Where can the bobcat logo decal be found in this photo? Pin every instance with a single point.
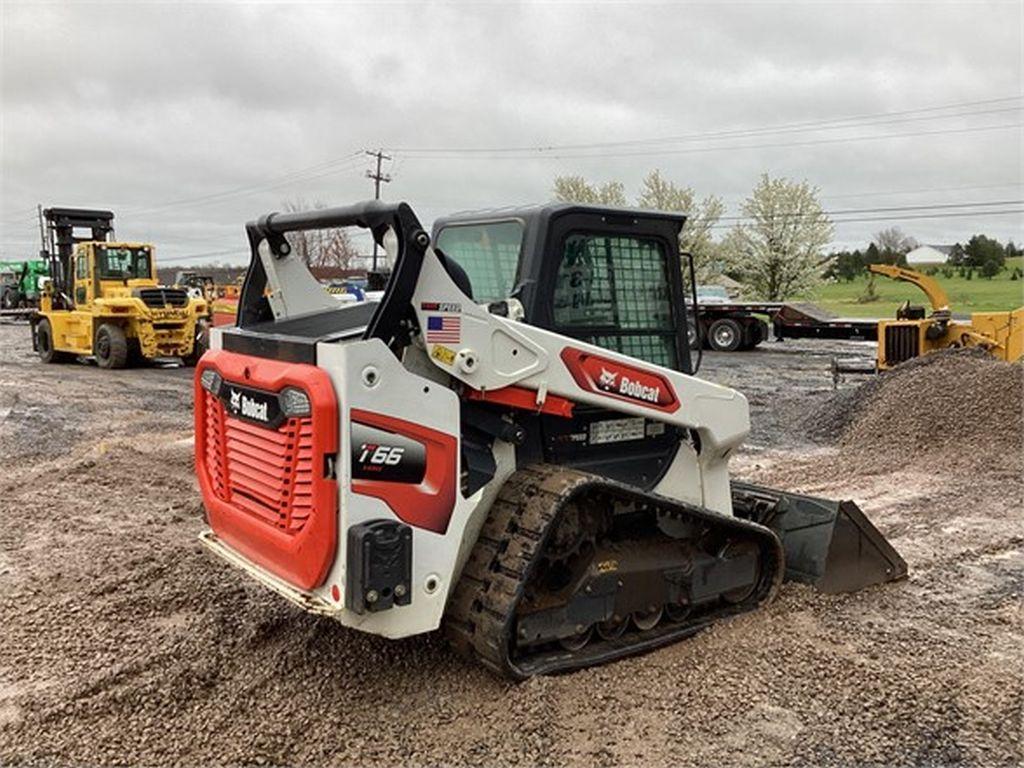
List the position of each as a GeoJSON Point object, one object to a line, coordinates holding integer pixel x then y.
{"type": "Point", "coordinates": [236, 400]}
{"type": "Point", "coordinates": [607, 378]}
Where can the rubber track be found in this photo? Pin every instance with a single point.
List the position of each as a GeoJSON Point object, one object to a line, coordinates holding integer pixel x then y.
{"type": "Point", "coordinates": [481, 613]}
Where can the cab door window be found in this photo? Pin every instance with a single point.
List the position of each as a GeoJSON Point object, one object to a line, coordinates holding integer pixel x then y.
{"type": "Point", "coordinates": [614, 291]}
{"type": "Point", "coordinates": [488, 253]}
{"type": "Point", "coordinates": [81, 276]}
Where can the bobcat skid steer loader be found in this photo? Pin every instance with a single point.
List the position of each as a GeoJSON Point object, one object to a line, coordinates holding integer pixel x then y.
{"type": "Point", "coordinates": [509, 445]}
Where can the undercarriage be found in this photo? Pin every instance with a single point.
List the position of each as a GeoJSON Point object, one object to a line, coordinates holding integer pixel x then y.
{"type": "Point", "coordinates": [572, 570]}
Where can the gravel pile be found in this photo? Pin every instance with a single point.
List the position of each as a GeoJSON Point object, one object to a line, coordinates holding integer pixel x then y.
{"type": "Point", "coordinates": [958, 410]}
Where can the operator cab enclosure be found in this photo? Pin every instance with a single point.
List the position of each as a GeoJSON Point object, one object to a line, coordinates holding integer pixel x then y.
{"type": "Point", "coordinates": [608, 276]}
{"type": "Point", "coordinates": [112, 270]}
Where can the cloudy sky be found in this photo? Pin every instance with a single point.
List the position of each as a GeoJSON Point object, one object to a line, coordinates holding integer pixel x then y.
{"type": "Point", "coordinates": [189, 119]}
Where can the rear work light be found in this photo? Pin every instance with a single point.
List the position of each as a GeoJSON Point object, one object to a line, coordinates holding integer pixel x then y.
{"type": "Point", "coordinates": [295, 403]}
{"type": "Point", "coordinates": [211, 381]}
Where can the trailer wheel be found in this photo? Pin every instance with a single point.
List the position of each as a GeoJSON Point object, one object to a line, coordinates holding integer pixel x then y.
{"type": "Point", "coordinates": [754, 332]}
{"type": "Point", "coordinates": [110, 347]}
{"type": "Point", "coordinates": [725, 335]}
{"type": "Point", "coordinates": [44, 343]}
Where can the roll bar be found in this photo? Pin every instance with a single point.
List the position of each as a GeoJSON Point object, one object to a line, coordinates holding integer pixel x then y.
{"type": "Point", "coordinates": [373, 215]}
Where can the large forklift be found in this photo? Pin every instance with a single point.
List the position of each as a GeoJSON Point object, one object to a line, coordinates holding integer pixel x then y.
{"type": "Point", "coordinates": [103, 298]}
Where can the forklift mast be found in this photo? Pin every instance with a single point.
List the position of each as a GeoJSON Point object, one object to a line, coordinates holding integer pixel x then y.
{"type": "Point", "coordinates": [60, 240]}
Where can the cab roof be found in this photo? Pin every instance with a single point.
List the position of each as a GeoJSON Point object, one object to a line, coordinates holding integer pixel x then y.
{"type": "Point", "coordinates": [542, 213]}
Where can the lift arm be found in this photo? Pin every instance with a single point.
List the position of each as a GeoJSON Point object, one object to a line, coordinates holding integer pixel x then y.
{"type": "Point", "coordinates": [935, 293]}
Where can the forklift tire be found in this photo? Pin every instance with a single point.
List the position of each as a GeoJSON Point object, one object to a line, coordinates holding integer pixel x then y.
{"type": "Point", "coordinates": [725, 335]}
{"type": "Point", "coordinates": [44, 343]}
{"type": "Point", "coordinates": [110, 346]}
{"type": "Point", "coordinates": [199, 345]}
{"type": "Point", "coordinates": [135, 357]}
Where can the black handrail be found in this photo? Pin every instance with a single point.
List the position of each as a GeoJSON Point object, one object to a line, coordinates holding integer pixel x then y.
{"type": "Point", "coordinates": [374, 215]}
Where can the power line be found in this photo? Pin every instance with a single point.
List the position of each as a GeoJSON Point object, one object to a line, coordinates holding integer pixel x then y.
{"type": "Point", "coordinates": [888, 209]}
{"type": "Point", "coordinates": [712, 136]}
{"type": "Point", "coordinates": [828, 124]}
{"type": "Point", "coordinates": [910, 216]}
{"type": "Point", "coordinates": [882, 193]}
{"type": "Point", "coordinates": [327, 168]}
{"type": "Point", "coordinates": [729, 148]}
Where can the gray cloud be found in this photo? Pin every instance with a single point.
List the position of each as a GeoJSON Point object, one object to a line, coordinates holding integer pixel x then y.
{"type": "Point", "coordinates": [133, 105]}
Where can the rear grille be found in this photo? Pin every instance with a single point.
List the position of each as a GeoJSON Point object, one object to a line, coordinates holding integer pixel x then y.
{"type": "Point", "coordinates": [162, 297]}
{"type": "Point", "coordinates": [902, 342]}
{"type": "Point", "coordinates": [267, 473]}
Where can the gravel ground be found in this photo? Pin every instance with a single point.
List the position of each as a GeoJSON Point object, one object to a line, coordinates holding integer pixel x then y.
{"type": "Point", "coordinates": [125, 644]}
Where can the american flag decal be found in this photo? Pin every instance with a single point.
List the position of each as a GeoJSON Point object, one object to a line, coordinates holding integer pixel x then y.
{"type": "Point", "coordinates": [444, 329]}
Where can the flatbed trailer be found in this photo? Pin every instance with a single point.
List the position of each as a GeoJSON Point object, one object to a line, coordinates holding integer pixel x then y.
{"type": "Point", "coordinates": [735, 326]}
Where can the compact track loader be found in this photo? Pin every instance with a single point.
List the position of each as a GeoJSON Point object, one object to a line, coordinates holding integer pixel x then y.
{"type": "Point", "coordinates": [510, 444]}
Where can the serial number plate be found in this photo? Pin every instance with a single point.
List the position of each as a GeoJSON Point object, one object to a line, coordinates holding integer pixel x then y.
{"type": "Point", "coordinates": [617, 430]}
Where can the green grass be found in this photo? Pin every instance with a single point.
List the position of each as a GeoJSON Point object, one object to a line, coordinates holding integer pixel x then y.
{"type": "Point", "coordinates": [975, 295]}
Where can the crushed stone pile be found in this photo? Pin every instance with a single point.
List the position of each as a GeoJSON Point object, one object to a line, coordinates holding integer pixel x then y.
{"type": "Point", "coordinates": [956, 409]}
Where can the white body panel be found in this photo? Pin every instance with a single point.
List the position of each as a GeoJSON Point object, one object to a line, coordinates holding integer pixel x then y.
{"type": "Point", "coordinates": [400, 394]}
{"type": "Point", "coordinates": [494, 352]}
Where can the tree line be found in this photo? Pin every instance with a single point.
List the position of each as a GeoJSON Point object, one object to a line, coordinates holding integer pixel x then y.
{"type": "Point", "coordinates": [776, 247]}
{"type": "Point", "coordinates": [982, 254]}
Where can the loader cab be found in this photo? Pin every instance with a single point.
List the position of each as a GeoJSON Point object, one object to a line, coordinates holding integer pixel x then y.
{"type": "Point", "coordinates": [607, 276]}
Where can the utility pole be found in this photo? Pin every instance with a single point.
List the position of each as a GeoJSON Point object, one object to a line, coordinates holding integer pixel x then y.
{"type": "Point", "coordinates": [42, 228]}
{"type": "Point", "coordinates": [378, 178]}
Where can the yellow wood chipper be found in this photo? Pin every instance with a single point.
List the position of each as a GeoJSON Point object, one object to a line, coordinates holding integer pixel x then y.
{"type": "Point", "coordinates": [916, 332]}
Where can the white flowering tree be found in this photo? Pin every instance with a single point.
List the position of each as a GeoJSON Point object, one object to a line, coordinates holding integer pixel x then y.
{"type": "Point", "coordinates": [778, 247]}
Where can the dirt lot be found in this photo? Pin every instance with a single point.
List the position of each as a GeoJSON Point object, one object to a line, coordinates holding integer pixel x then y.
{"type": "Point", "coordinates": [124, 643]}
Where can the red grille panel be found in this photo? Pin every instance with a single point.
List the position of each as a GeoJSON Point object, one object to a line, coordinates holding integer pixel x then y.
{"type": "Point", "coordinates": [215, 440]}
{"type": "Point", "coordinates": [267, 492]}
{"type": "Point", "coordinates": [267, 473]}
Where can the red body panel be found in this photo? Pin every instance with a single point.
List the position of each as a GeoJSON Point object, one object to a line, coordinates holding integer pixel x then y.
{"type": "Point", "coordinates": [264, 489]}
{"type": "Point", "coordinates": [428, 504]}
{"type": "Point", "coordinates": [620, 381]}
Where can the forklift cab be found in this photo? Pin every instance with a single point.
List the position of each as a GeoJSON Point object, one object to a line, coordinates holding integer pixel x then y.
{"type": "Point", "coordinates": [100, 268]}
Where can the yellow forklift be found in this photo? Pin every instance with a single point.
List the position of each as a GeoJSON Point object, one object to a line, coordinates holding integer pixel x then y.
{"type": "Point", "coordinates": [103, 298]}
{"type": "Point", "coordinates": [916, 332]}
